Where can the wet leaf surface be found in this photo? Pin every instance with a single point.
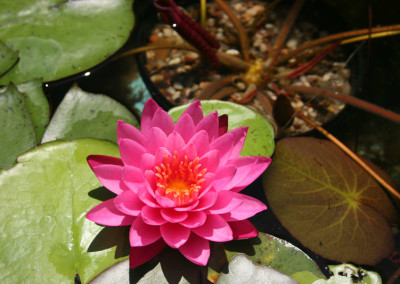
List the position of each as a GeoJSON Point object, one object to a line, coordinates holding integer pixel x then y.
{"type": "Point", "coordinates": [45, 237]}
{"type": "Point", "coordinates": [86, 115]}
{"type": "Point", "coordinates": [260, 137]}
{"type": "Point", "coordinates": [8, 57]}
{"type": "Point", "coordinates": [56, 38]}
{"type": "Point", "coordinates": [328, 202]}
{"type": "Point", "coordinates": [17, 133]}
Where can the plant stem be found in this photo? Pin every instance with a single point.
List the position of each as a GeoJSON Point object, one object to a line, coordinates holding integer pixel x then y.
{"type": "Point", "coordinates": [203, 12]}
{"type": "Point", "coordinates": [284, 32]}
{"type": "Point", "coordinates": [351, 154]}
{"type": "Point", "coordinates": [339, 36]}
{"type": "Point", "coordinates": [347, 99]}
{"type": "Point", "coordinates": [244, 44]}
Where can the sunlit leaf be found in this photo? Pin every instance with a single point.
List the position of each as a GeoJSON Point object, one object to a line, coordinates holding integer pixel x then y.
{"type": "Point", "coordinates": [118, 273]}
{"type": "Point", "coordinates": [8, 57]}
{"type": "Point", "coordinates": [58, 38]}
{"type": "Point", "coordinates": [16, 129]}
{"type": "Point", "coordinates": [260, 137]}
{"type": "Point", "coordinates": [82, 115]}
{"type": "Point", "coordinates": [37, 104]}
{"type": "Point", "coordinates": [242, 270]}
{"type": "Point", "coordinates": [328, 202]}
{"type": "Point", "coordinates": [45, 237]}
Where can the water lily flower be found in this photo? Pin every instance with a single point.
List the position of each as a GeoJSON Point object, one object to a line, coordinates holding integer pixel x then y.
{"type": "Point", "coordinates": [178, 184]}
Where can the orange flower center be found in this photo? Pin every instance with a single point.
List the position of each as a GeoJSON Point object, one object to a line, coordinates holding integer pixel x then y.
{"type": "Point", "coordinates": [179, 180]}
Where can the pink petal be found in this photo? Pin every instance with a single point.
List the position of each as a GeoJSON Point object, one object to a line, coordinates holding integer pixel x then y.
{"type": "Point", "coordinates": [223, 177]}
{"type": "Point", "coordinates": [131, 152]}
{"type": "Point", "coordinates": [239, 136]}
{"type": "Point", "coordinates": [224, 144]}
{"type": "Point", "coordinates": [133, 177]}
{"type": "Point", "coordinates": [247, 209]}
{"type": "Point", "coordinates": [174, 142]}
{"type": "Point", "coordinates": [129, 203]}
{"type": "Point", "coordinates": [174, 235]}
{"type": "Point", "coordinates": [107, 214]}
{"type": "Point", "coordinates": [194, 219]}
{"type": "Point", "coordinates": [159, 157]}
{"type": "Point", "coordinates": [125, 130]}
{"type": "Point", "coordinates": [248, 170]}
{"type": "Point", "coordinates": [163, 121]}
{"type": "Point", "coordinates": [195, 111]}
{"type": "Point", "coordinates": [110, 176]}
{"type": "Point", "coordinates": [226, 202]}
{"type": "Point", "coordinates": [173, 216]}
{"type": "Point", "coordinates": [149, 110]}
{"type": "Point", "coordinates": [187, 207]}
{"type": "Point", "coordinates": [207, 200]}
{"type": "Point", "coordinates": [214, 229]}
{"type": "Point", "coordinates": [188, 150]}
{"type": "Point", "coordinates": [210, 125]}
{"type": "Point", "coordinates": [207, 184]}
{"type": "Point", "coordinates": [222, 124]}
{"type": "Point", "coordinates": [185, 127]}
{"type": "Point", "coordinates": [210, 161]}
{"type": "Point", "coordinates": [147, 162]}
{"type": "Point", "coordinates": [146, 197]}
{"type": "Point", "coordinates": [98, 160]}
{"type": "Point", "coordinates": [196, 249]}
{"type": "Point", "coordinates": [156, 139]}
{"type": "Point", "coordinates": [164, 202]}
{"type": "Point", "coordinates": [243, 230]}
{"type": "Point", "coordinates": [152, 216]}
{"type": "Point", "coordinates": [201, 142]}
{"type": "Point", "coordinates": [140, 255]}
{"type": "Point", "coordinates": [151, 181]}
{"type": "Point", "coordinates": [142, 234]}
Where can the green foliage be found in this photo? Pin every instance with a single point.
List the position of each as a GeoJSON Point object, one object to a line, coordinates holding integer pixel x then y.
{"type": "Point", "coordinates": [43, 201]}
{"type": "Point", "coordinates": [260, 137]}
{"type": "Point", "coordinates": [57, 38]}
{"type": "Point", "coordinates": [328, 202]}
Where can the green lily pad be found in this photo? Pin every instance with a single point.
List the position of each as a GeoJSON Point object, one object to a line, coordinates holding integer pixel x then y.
{"type": "Point", "coordinates": [16, 129]}
{"type": "Point", "coordinates": [242, 270]}
{"type": "Point", "coordinates": [45, 237]}
{"type": "Point", "coordinates": [8, 57]}
{"type": "Point", "coordinates": [58, 38]}
{"type": "Point", "coordinates": [260, 137]}
{"type": "Point", "coordinates": [328, 202]}
{"type": "Point", "coordinates": [85, 115]}
{"type": "Point", "coordinates": [37, 104]}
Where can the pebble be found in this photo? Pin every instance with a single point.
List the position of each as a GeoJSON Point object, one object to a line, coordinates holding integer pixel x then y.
{"type": "Point", "coordinates": [174, 61]}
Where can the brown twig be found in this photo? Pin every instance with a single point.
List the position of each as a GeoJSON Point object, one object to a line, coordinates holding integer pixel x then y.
{"type": "Point", "coordinates": [347, 99]}
{"type": "Point", "coordinates": [339, 36]}
{"type": "Point", "coordinates": [351, 154]}
{"type": "Point", "coordinates": [215, 86]}
{"type": "Point", "coordinates": [244, 44]}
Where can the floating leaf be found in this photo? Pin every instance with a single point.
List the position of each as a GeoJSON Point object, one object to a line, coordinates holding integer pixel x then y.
{"type": "Point", "coordinates": [118, 273]}
{"type": "Point", "coordinates": [57, 38]}
{"type": "Point", "coordinates": [45, 236]}
{"type": "Point", "coordinates": [37, 104]}
{"type": "Point", "coordinates": [242, 270]}
{"type": "Point", "coordinates": [328, 202]}
{"type": "Point", "coordinates": [16, 129]}
{"type": "Point", "coordinates": [8, 57]}
{"type": "Point", "coordinates": [260, 137]}
{"type": "Point", "coordinates": [82, 115]}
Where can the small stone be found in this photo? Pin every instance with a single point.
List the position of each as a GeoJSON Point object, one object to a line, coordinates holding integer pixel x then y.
{"type": "Point", "coordinates": [291, 43]}
{"type": "Point", "coordinates": [174, 61]}
{"type": "Point", "coordinates": [233, 52]}
{"type": "Point", "coordinates": [157, 78]}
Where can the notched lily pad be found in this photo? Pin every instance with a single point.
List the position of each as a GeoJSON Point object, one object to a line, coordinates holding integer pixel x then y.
{"type": "Point", "coordinates": [56, 38]}
{"type": "Point", "coordinates": [17, 133]}
{"type": "Point", "coordinates": [328, 202]}
{"type": "Point", "coordinates": [83, 115]}
{"type": "Point", "coordinates": [260, 137]}
{"type": "Point", "coordinates": [45, 236]}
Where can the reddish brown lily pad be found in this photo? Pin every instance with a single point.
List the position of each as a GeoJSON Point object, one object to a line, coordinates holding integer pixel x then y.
{"type": "Point", "coordinates": [328, 202]}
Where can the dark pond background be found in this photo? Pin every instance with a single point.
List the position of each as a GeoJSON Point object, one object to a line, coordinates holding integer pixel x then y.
{"type": "Point", "coordinates": [376, 79]}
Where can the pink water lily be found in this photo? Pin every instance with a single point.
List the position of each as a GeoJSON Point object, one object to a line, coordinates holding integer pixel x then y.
{"type": "Point", "coordinates": [178, 184]}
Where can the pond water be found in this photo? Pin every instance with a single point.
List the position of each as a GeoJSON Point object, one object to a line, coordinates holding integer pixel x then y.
{"type": "Point", "coordinates": [366, 134]}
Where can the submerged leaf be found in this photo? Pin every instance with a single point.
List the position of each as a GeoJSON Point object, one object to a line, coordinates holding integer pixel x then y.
{"type": "Point", "coordinates": [45, 236]}
{"type": "Point", "coordinates": [56, 38]}
{"type": "Point", "coordinates": [260, 137]}
{"type": "Point", "coordinates": [86, 115]}
{"type": "Point", "coordinates": [328, 202]}
{"type": "Point", "coordinates": [16, 129]}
